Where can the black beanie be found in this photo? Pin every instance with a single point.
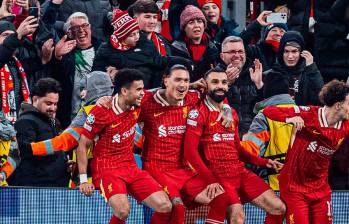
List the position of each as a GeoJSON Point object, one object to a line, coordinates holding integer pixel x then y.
{"type": "Point", "coordinates": [275, 83]}
{"type": "Point", "coordinates": [290, 36]}
{"type": "Point", "coordinates": [4, 26]}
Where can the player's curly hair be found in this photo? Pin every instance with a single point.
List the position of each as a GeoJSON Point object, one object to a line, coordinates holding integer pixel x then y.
{"type": "Point", "coordinates": [333, 92]}
{"type": "Point", "coordinates": [126, 77]}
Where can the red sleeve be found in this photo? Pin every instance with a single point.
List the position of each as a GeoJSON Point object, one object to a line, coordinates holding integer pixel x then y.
{"type": "Point", "coordinates": [281, 113]}
{"type": "Point", "coordinates": [192, 136]}
{"type": "Point", "coordinates": [95, 121]}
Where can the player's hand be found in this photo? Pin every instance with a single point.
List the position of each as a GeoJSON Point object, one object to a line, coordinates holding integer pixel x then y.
{"type": "Point", "coordinates": [232, 73]}
{"type": "Point", "coordinates": [273, 164]}
{"type": "Point", "coordinates": [104, 101]}
{"type": "Point", "coordinates": [226, 116]}
{"type": "Point", "coordinates": [87, 189]}
{"type": "Point", "coordinates": [309, 59]}
{"type": "Point", "coordinates": [199, 85]}
{"type": "Point", "coordinates": [214, 190]}
{"type": "Point", "coordinates": [262, 18]}
{"type": "Point", "coordinates": [297, 121]}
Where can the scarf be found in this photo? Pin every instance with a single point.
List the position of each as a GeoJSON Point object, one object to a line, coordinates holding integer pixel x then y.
{"type": "Point", "coordinates": [7, 90]}
{"type": "Point", "coordinates": [213, 29]}
{"type": "Point", "coordinates": [159, 44]}
{"type": "Point", "coordinates": [117, 44]}
{"type": "Point", "coordinates": [275, 44]}
{"type": "Point", "coordinates": [197, 50]}
{"type": "Point", "coordinates": [165, 23]}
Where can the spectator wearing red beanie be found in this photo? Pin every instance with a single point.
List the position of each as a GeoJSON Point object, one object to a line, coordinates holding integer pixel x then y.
{"type": "Point", "coordinates": [218, 27]}
{"type": "Point", "coordinates": [193, 43]}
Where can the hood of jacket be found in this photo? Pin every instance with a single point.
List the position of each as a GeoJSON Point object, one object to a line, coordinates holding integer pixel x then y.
{"type": "Point", "coordinates": [273, 101]}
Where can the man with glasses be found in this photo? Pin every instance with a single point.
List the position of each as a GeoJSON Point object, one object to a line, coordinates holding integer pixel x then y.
{"type": "Point", "coordinates": [73, 58]}
{"type": "Point", "coordinates": [244, 78]}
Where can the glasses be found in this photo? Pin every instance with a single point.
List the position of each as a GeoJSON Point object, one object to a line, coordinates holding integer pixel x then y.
{"type": "Point", "coordinates": [240, 52]}
{"type": "Point", "coordinates": [77, 28]}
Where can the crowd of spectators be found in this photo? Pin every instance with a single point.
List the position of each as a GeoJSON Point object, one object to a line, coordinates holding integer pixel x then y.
{"type": "Point", "coordinates": [49, 49]}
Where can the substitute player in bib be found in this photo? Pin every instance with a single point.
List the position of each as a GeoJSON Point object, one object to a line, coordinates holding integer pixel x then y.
{"type": "Point", "coordinates": [222, 152]}
{"type": "Point", "coordinates": [320, 132]}
{"type": "Point", "coordinates": [113, 166]}
{"type": "Point", "coordinates": [164, 116]}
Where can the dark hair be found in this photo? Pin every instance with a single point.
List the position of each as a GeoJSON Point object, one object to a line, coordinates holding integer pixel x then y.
{"type": "Point", "coordinates": [218, 70]}
{"type": "Point", "coordinates": [333, 92]}
{"type": "Point", "coordinates": [45, 86]}
{"type": "Point", "coordinates": [143, 6]}
{"type": "Point", "coordinates": [126, 77]}
{"type": "Point", "coordinates": [171, 69]}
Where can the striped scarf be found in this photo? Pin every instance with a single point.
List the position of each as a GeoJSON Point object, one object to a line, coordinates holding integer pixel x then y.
{"type": "Point", "coordinates": [7, 90]}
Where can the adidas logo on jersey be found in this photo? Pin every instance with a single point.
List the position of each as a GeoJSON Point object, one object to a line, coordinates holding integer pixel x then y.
{"type": "Point", "coordinates": [312, 146]}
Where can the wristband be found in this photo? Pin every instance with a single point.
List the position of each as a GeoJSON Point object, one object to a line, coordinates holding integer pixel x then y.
{"type": "Point", "coordinates": [83, 178]}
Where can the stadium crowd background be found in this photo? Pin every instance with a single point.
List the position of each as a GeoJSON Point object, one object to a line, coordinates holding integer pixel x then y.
{"type": "Point", "coordinates": [72, 39]}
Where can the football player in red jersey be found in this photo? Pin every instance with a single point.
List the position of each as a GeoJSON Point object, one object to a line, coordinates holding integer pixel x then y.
{"type": "Point", "coordinates": [164, 116]}
{"type": "Point", "coordinates": [319, 132]}
{"type": "Point", "coordinates": [113, 166]}
{"type": "Point", "coordinates": [221, 149]}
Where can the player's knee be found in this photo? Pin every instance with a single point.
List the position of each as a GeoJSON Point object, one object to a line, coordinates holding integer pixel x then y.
{"type": "Point", "coordinates": [278, 208]}
{"type": "Point", "coordinates": [122, 212]}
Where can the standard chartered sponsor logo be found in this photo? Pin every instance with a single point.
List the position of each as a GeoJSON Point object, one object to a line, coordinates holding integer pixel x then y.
{"type": "Point", "coordinates": [170, 130]}
{"type": "Point", "coordinates": [117, 137]}
{"type": "Point", "coordinates": [223, 137]}
{"type": "Point", "coordinates": [322, 149]}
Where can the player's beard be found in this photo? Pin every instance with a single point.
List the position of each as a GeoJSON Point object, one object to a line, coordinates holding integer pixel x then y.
{"type": "Point", "coordinates": [217, 98]}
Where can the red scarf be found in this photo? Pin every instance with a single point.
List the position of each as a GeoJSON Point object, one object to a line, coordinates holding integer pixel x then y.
{"type": "Point", "coordinates": [275, 44]}
{"type": "Point", "coordinates": [197, 50]}
{"type": "Point", "coordinates": [165, 24]}
{"type": "Point", "coordinates": [117, 45]}
{"type": "Point", "coordinates": [7, 90]}
{"type": "Point", "coordinates": [159, 44]}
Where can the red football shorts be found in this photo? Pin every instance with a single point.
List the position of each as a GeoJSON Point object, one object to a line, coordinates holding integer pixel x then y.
{"type": "Point", "coordinates": [307, 208]}
{"type": "Point", "coordinates": [244, 188]}
{"type": "Point", "coordinates": [182, 183]}
{"type": "Point", "coordinates": [125, 180]}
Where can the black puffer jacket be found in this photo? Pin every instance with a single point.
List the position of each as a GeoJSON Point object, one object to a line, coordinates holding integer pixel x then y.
{"type": "Point", "coordinates": [226, 29]}
{"type": "Point", "coordinates": [40, 171]}
{"type": "Point", "coordinates": [262, 50]}
{"type": "Point", "coordinates": [243, 95]}
{"type": "Point", "coordinates": [208, 60]}
{"type": "Point", "coordinates": [332, 43]}
{"type": "Point", "coordinates": [96, 10]}
{"type": "Point", "coordinates": [310, 79]}
{"type": "Point", "coordinates": [144, 57]}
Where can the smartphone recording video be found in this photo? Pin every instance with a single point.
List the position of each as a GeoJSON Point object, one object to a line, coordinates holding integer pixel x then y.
{"type": "Point", "coordinates": [34, 11]}
{"type": "Point", "coordinates": [277, 18]}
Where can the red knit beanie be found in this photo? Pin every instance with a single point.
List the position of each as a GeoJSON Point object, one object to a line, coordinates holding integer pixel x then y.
{"type": "Point", "coordinates": [123, 24]}
{"type": "Point", "coordinates": [204, 2]}
{"type": "Point", "coordinates": [190, 13]}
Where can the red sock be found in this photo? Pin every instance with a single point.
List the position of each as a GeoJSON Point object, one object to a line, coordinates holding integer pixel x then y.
{"type": "Point", "coordinates": [218, 208]}
{"type": "Point", "coordinates": [274, 219]}
{"type": "Point", "coordinates": [178, 214]}
{"type": "Point", "coordinates": [160, 218]}
{"type": "Point", "coordinates": [116, 220]}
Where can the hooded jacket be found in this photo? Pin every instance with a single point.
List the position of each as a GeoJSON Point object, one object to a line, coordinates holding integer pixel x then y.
{"type": "Point", "coordinates": [310, 79]}
{"type": "Point", "coordinates": [48, 171]}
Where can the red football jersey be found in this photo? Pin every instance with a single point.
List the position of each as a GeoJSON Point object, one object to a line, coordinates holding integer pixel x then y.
{"type": "Point", "coordinates": [307, 161]}
{"type": "Point", "coordinates": [219, 145]}
{"type": "Point", "coordinates": [115, 130]}
{"type": "Point", "coordinates": [164, 127]}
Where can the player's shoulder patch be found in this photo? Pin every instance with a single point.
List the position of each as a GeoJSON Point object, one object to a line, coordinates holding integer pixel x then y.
{"type": "Point", "coordinates": [193, 114]}
{"type": "Point", "coordinates": [304, 108]}
{"type": "Point", "coordinates": [90, 119]}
